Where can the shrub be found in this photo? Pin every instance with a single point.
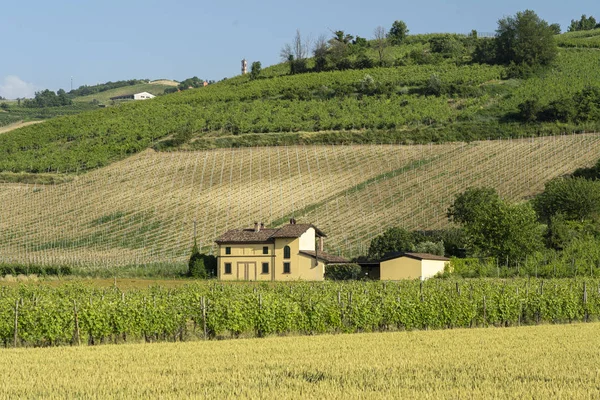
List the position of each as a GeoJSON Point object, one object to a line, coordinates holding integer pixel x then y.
{"type": "Point", "coordinates": [342, 272]}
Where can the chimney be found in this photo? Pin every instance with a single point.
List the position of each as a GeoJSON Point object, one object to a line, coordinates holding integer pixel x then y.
{"type": "Point", "coordinates": [262, 225]}
{"type": "Point", "coordinates": [320, 243]}
{"type": "Point", "coordinates": [256, 227]}
{"type": "Point", "coordinates": [292, 221]}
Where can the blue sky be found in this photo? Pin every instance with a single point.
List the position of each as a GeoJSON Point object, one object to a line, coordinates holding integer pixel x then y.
{"type": "Point", "coordinates": [45, 42]}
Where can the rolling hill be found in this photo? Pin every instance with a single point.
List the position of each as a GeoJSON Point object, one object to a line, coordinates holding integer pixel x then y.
{"type": "Point", "coordinates": [373, 105]}
{"type": "Point", "coordinates": [141, 210]}
{"type": "Point", "coordinates": [155, 88]}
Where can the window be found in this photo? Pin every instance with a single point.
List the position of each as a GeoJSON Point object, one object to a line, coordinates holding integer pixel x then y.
{"type": "Point", "coordinates": [228, 268]}
{"type": "Point", "coordinates": [287, 252]}
{"type": "Point", "coordinates": [265, 268]}
{"type": "Point", "coordinates": [227, 250]}
{"type": "Point", "coordinates": [286, 268]}
{"type": "Point", "coordinates": [265, 250]}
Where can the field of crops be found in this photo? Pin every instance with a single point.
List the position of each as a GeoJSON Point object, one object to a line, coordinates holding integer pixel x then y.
{"type": "Point", "coordinates": [104, 97]}
{"type": "Point", "coordinates": [528, 362]}
{"type": "Point", "coordinates": [378, 99]}
{"type": "Point", "coordinates": [580, 39]}
{"type": "Point", "coordinates": [76, 314]}
{"type": "Point", "coordinates": [142, 210]}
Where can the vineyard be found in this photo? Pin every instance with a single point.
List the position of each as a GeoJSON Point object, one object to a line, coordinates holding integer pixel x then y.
{"type": "Point", "coordinates": [337, 107]}
{"type": "Point", "coordinates": [42, 316]}
{"type": "Point", "coordinates": [142, 210]}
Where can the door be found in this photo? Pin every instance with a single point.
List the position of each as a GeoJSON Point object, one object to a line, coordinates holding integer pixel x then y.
{"type": "Point", "coordinates": [246, 271]}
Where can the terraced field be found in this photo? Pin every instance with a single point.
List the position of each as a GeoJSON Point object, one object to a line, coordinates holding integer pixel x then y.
{"type": "Point", "coordinates": [142, 210]}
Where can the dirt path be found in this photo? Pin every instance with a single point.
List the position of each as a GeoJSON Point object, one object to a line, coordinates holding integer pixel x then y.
{"type": "Point", "coordinates": [17, 125]}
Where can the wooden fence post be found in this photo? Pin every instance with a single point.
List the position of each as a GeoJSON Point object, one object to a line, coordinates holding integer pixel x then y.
{"type": "Point", "coordinates": [484, 311]}
{"type": "Point", "coordinates": [16, 323]}
{"type": "Point", "coordinates": [76, 324]}
{"type": "Point", "coordinates": [204, 317]}
{"type": "Point", "coordinates": [585, 298]}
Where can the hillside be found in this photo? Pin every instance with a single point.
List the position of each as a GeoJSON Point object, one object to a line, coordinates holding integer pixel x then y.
{"type": "Point", "coordinates": [154, 88]}
{"type": "Point", "coordinates": [374, 105]}
{"type": "Point", "coordinates": [142, 210]}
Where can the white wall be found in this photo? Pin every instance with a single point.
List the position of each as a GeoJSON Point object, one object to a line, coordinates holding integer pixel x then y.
{"type": "Point", "coordinates": [307, 240]}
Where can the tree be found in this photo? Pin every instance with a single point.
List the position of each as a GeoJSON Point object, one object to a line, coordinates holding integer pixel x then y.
{"type": "Point", "coordinates": [525, 39]}
{"type": "Point", "coordinates": [497, 228]}
{"type": "Point", "coordinates": [393, 239]}
{"type": "Point", "coordinates": [200, 265]}
{"type": "Point", "coordinates": [398, 32]}
{"type": "Point", "coordinates": [555, 28]}
{"type": "Point", "coordinates": [576, 199]}
{"type": "Point", "coordinates": [320, 50]}
{"type": "Point", "coordinates": [255, 70]}
{"type": "Point", "coordinates": [472, 202]}
{"type": "Point", "coordinates": [380, 42]}
{"type": "Point", "coordinates": [4, 106]}
{"type": "Point", "coordinates": [584, 24]}
{"type": "Point", "coordinates": [295, 53]}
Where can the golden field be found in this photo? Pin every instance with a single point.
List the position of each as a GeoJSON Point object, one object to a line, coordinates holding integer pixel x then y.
{"type": "Point", "coordinates": [552, 361]}
{"type": "Point", "coordinates": [142, 210]}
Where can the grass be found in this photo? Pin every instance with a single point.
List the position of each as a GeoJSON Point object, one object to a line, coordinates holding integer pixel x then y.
{"type": "Point", "coordinates": [141, 211]}
{"type": "Point", "coordinates": [520, 363]}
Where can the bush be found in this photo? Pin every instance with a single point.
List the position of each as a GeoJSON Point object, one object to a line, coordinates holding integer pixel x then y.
{"type": "Point", "coordinates": [342, 272]}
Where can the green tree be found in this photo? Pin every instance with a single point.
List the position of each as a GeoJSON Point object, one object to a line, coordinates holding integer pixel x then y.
{"type": "Point", "coordinates": [525, 39]}
{"type": "Point", "coordinates": [583, 24]}
{"type": "Point", "coordinates": [398, 32]}
{"type": "Point", "coordinates": [255, 70]}
{"type": "Point", "coordinates": [468, 205]}
{"type": "Point", "coordinates": [393, 239]}
{"type": "Point", "coordinates": [496, 228]}
{"type": "Point", "coordinates": [576, 199]}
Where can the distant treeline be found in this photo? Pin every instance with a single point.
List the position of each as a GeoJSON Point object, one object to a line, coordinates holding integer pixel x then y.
{"type": "Point", "coordinates": [103, 87]}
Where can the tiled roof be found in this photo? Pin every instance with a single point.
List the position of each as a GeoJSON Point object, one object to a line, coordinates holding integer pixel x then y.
{"type": "Point", "coordinates": [266, 235]}
{"type": "Point", "coordinates": [247, 236]}
{"type": "Point", "coordinates": [416, 256]}
{"type": "Point", "coordinates": [328, 258]}
{"type": "Point", "coordinates": [295, 230]}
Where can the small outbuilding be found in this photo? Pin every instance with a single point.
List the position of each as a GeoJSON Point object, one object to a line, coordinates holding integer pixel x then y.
{"type": "Point", "coordinates": [400, 265]}
{"type": "Point", "coordinates": [135, 96]}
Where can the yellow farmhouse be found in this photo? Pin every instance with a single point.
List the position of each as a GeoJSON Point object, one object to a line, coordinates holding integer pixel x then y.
{"type": "Point", "coordinates": [265, 254]}
{"type": "Point", "coordinates": [411, 266]}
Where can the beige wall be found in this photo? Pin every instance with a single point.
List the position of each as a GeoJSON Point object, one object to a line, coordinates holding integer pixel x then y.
{"type": "Point", "coordinates": [409, 268]}
{"type": "Point", "coordinates": [400, 268]}
{"type": "Point", "coordinates": [246, 262]}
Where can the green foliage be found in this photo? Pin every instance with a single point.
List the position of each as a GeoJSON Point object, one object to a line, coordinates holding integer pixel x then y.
{"type": "Point", "coordinates": [342, 272]}
{"type": "Point", "coordinates": [576, 199]}
{"type": "Point", "coordinates": [47, 98]}
{"type": "Point", "coordinates": [22, 269]}
{"type": "Point", "coordinates": [392, 240]}
{"type": "Point", "coordinates": [430, 248]}
{"type": "Point", "coordinates": [473, 202]}
{"type": "Point", "coordinates": [201, 266]}
{"type": "Point", "coordinates": [496, 228]}
{"type": "Point", "coordinates": [398, 32]}
{"type": "Point", "coordinates": [191, 83]}
{"type": "Point", "coordinates": [255, 69]}
{"type": "Point", "coordinates": [529, 110]}
{"type": "Point", "coordinates": [583, 24]}
{"type": "Point", "coordinates": [46, 315]}
{"type": "Point", "coordinates": [525, 39]}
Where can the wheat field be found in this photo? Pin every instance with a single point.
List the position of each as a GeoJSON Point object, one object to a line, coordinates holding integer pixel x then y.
{"type": "Point", "coordinates": [145, 209]}
{"type": "Point", "coordinates": [552, 361]}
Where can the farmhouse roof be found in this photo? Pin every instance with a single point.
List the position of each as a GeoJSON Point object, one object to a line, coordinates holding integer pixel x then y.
{"type": "Point", "coordinates": [266, 235]}
{"type": "Point", "coordinates": [295, 230]}
{"type": "Point", "coordinates": [328, 258]}
{"type": "Point", "coordinates": [416, 256]}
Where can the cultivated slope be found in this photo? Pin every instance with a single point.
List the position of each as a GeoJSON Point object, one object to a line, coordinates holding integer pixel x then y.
{"type": "Point", "coordinates": [142, 210]}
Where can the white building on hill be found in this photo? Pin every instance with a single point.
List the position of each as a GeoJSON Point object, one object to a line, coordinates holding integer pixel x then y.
{"type": "Point", "coordinates": [135, 96]}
